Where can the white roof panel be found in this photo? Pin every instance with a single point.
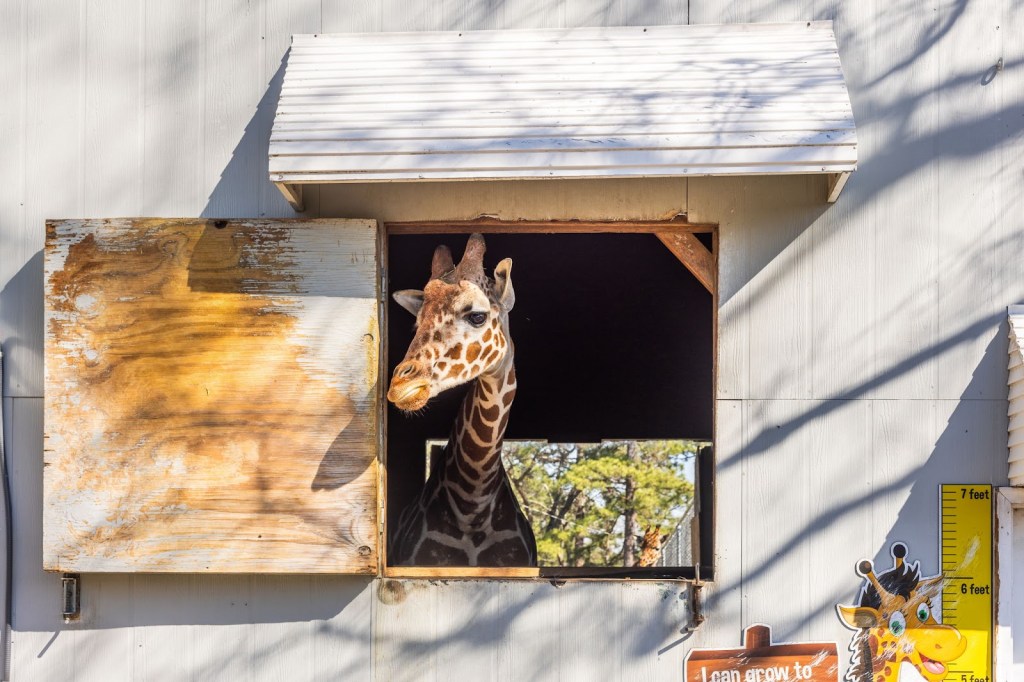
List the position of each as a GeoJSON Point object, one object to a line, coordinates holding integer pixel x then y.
{"type": "Point", "coordinates": [563, 103]}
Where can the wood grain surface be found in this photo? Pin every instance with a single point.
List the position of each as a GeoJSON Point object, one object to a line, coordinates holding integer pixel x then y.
{"type": "Point", "coordinates": [211, 392]}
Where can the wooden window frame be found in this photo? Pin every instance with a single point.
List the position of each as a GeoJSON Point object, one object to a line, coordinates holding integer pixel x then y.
{"type": "Point", "coordinates": [678, 235]}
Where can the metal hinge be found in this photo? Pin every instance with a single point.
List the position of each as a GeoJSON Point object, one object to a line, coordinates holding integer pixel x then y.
{"type": "Point", "coordinates": [71, 597]}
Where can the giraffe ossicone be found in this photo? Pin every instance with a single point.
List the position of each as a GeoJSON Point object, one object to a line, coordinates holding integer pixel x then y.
{"type": "Point", "coordinates": [897, 630]}
{"type": "Point", "coordinates": [467, 513]}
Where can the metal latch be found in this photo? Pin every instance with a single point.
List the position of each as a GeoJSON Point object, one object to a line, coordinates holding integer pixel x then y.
{"type": "Point", "coordinates": [70, 597]}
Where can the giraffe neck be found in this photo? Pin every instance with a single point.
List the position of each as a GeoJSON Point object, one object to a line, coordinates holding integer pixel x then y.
{"type": "Point", "coordinates": [473, 471]}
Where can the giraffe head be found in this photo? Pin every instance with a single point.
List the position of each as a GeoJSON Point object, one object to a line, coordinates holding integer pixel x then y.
{"type": "Point", "coordinates": [461, 326]}
{"type": "Point", "coordinates": [896, 626]}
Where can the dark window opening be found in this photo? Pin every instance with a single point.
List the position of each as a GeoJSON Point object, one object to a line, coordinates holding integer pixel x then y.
{"type": "Point", "coordinates": [613, 351]}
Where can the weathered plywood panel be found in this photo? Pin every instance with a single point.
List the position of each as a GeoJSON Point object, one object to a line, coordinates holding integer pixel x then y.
{"type": "Point", "coordinates": [211, 396]}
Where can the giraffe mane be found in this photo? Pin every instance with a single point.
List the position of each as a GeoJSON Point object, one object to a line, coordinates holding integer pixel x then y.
{"type": "Point", "coordinates": [860, 669]}
{"type": "Point", "coordinates": [901, 580]}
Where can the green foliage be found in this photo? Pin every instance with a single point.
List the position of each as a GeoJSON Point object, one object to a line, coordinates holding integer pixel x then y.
{"type": "Point", "coordinates": [578, 496]}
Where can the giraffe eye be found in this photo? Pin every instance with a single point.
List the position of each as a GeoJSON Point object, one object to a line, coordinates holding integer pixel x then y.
{"type": "Point", "coordinates": [897, 623]}
{"type": "Point", "coordinates": [477, 319]}
{"type": "Point", "coordinates": [923, 612]}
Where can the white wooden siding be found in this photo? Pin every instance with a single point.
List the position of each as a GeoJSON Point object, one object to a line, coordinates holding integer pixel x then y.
{"type": "Point", "coordinates": [567, 103]}
{"type": "Point", "coordinates": [881, 318]}
{"type": "Point", "coordinates": [1015, 398]}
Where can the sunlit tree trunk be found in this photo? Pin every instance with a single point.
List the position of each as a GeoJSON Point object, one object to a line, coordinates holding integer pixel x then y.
{"type": "Point", "coordinates": [629, 531]}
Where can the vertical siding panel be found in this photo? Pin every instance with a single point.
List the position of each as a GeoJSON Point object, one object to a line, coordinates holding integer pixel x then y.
{"type": "Point", "coordinates": [652, 637]}
{"type": "Point", "coordinates": [112, 129]}
{"type": "Point", "coordinates": [704, 205]}
{"type": "Point", "coordinates": [970, 442]}
{"type": "Point", "coordinates": [589, 644]}
{"type": "Point", "coordinates": [764, 222]}
{"type": "Point", "coordinates": [399, 15]}
{"type": "Point", "coordinates": [531, 648]}
{"type": "Point", "coordinates": [843, 308]}
{"type": "Point", "coordinates": [232, 153]}
{"type": "Point", "coordinates": [6, 444]}
{"type": "Point", "coordinates": [470, 627]}
{"type": "Point", "coordinates": [223, 636]}
{"type": "Point", "coordinates": [342, 16]}
{"type": "Point", "coordinates": [904, 442]}
{"type": "Point", "coordinates": [174, 109]}
{"type": "Point", "coordinates": [53, 153]}
{"type": "Point", "coordinates": [282, 19]}
{"type": "Point", "coordinates": [971, 248]}
{"type": "Point", "coordinates": [839, 485]}
{"type": "Point", "coordinates": [844, 243]}
{"type": "Point", "coordinates": [844, 239]}
{"type": "Point", "coordinates": [535, 13]}
{"type": "Point", "coordinates": [1011, 83]}
{"type": "Point", "coordinates": [775, 520]}
{"type": "Point", "coordinates": [12, 199]}
{"type": "Point", "coordinates": [723, 597]}
{"type": "Point", "coordinates": [283, 634]}
{"type": "Point", "coordinates": [469, 15]}
{"type": "Point", "coordinates": [405, 636]}
{"type": "Point", "coordinates": [104, 644]}
{"type": "Point", "coordinates": [905, 179]}
{"type": "Point", "coordinates": [591, 13]}
{"type": "Point", "coordinates": [752, 11]}
{"type": "Point", "coordinates": [663, 12]}
{"type": "Point", "coordinates": [42, 647]}
{"type": "Point", "coordinates": [164, 628]}
{"type": "Point", "coordinates": [918, 446]}
{"type": "Point", "coordinates": [343, 638]}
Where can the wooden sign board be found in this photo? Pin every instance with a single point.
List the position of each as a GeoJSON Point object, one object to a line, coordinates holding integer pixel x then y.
{"type": "Point", "coordinates": [761, 661]}
{"type": "Point", "coordinates": [211, 396]}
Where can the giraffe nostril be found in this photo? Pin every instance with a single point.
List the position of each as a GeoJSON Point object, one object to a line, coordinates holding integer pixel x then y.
{"type": "Point", "coordinates": [406, 369]}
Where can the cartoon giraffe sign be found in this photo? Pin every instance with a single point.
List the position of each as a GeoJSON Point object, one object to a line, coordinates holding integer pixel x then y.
{"type": "Point", "coordinates": [898, 636]}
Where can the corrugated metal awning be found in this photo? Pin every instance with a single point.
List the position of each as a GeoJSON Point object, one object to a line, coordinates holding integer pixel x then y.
{"type": "Point", "coordinates": [563, 103]}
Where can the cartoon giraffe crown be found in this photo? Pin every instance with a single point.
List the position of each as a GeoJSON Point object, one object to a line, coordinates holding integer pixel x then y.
{"type": "Point", "coordinates": [895, 626]}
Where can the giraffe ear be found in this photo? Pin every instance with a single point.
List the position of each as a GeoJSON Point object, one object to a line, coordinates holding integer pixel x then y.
{"type": "Point", "coordinates": [930, 587]}
{"type": "Point", "coordinates": [503, 284]}
{"type": "Point", "coordinates": [410, 299]}
{"type": "Point", "coordinates": [857, 617]}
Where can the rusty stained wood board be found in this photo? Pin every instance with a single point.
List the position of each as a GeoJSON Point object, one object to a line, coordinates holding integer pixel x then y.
{"type": "Point", "coordinates": [211, 396]}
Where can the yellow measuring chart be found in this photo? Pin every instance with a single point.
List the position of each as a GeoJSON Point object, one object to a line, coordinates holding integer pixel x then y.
{"type": "Point", "coordinates": [966, 560]}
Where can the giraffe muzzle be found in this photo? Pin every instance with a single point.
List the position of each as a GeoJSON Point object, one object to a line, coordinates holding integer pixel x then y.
{"type": "Point", "coordinates": [409, 395]}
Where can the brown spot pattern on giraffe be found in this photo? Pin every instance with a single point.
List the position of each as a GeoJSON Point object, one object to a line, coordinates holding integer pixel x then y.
{"type": "Point", "coordinates": [483, 431]}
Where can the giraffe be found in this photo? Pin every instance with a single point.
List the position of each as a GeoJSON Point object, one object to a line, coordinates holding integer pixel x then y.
{"type": "Point", "coordinates": [898, 637]}
{"type": "Point", "coordinates": [467, 513]}
{"type": "Point", "coordinates": [651, 546]}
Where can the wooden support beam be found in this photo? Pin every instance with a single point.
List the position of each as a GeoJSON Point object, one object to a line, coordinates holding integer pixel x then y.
{"type": "Point", "coordinates": [293, 194]}
{"type": "Point", "coordinates": [494, 226]}
{"type": "Point", "coordinates": [836, 182]}
{"type": "Point", "coordinates": [693, 254]}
